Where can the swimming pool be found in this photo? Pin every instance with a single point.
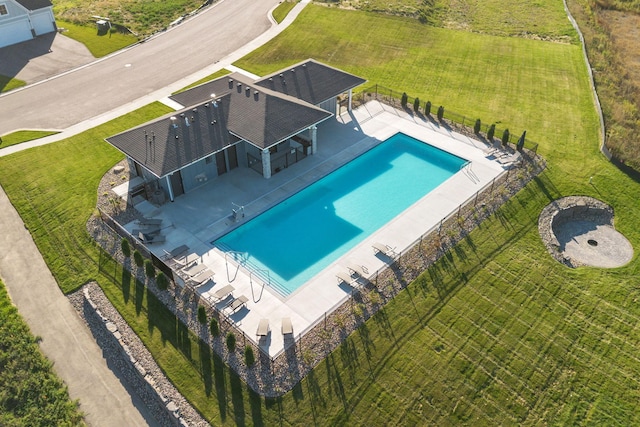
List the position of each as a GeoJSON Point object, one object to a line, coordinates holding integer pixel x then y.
{"type": "Point", "coordinates": [299, 237]}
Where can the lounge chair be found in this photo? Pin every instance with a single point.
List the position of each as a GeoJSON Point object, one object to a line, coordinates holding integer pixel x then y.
{"type": "Point", "coordinates": [202, 277]}
{"type": "Point", "coordinates": [345, 277]}
{"type": "Point", "coordinates": [222, 293]}
{"type": "Point", "coordinates": [384, 249]}
{"type": "Point", "coordinates": [149, 221]}
{"type": "Point", "coordinates": [151, 238]}
{"type": "Point", "coordinates": [360, 270]}
{"type": "Point", "coordinates": [287, 328]}
{"type": "Point", "coordinates": [263, 328]}
{"type": "Point", "coordinates": [194, 270]}
{"type": "Point", "coordinates": [186, 260]}
{"type": "Point", "coordinates": [237, 303]}
{"type": "Point", "coordinates": [146, 230]}
{"type": "Point", "coordinates": [175, 252]}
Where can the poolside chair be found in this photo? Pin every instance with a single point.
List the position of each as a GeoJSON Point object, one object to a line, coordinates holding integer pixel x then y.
{"type": "Point", "coordinates": [384, 249]}
{"type": "Point", "coordinates": [151, 238]}
{"type": "Point", "coordinates": [263, 328]}
{"type": "Point", "coordinates": [202, 277]}
{"type": "Point", "coordinates": [287, 328]}
{"type": "Point", "coordinates": [175, 252]}
{"type": "Point", "coordinates": [222, 293]}
{"type": "Point", "coordinates": [149, 221]}
{"type": "Point", "coordinates": [360, 270]}
{"type": "Point", "coordinates": [194, 270]}
{"type": "Point", "coordinates": [237, 303]}
{"type": "Point", "coordinates": [345, 277]}
{"type": "Point", "coordinates": [146, 230]}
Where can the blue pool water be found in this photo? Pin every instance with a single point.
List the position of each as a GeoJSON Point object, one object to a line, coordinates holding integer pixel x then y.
{"type": "Point", "coordinates": [301, 236]}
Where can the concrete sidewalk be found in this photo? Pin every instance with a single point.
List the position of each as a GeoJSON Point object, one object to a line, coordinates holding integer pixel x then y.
{"type": "Point", "coordinates": [66, 340]}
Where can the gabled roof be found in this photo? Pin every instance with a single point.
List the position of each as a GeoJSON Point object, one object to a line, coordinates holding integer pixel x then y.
{"type": "Point", "coordinates": [34, 4]}
{"type": "Point", "coordinates": [311, 81]}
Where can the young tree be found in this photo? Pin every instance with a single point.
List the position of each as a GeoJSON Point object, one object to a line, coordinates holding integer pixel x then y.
{"type": "Point", "coordinates": [137, 257]}
{"type": "Point", "coordinates": [477, 126]}
{"type": "Point", "coordinates": [126, 248]}
{"type": "Point", "coordinates": [231, 341]}
{"type": "Point", "coordinates": [214, 328]}
{"type": "Point", "coordinates": [149, 269]}
{"type": "Point", "coordinates": [491, 132]}
{"type": "Point", "coordinates": [416, 105]}
{"type": "Point", "coordinates": [162, 281]}
{"type": "Point", "coordinates": [202, 314]}
{"type": "Point", "coordinates": [440, 113]}
{"type": "Point", "coordinates": [427, 108]}
{"type": "Point", "coordinates": [404, 99]}
{"type": "Point", "coordinates": [249, 358]}
{"type": "Point", "coordinates": [505, 137]}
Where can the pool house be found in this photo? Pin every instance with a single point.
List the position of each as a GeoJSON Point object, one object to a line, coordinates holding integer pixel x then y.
{"type": "Point", "coordinates": [266, 125]}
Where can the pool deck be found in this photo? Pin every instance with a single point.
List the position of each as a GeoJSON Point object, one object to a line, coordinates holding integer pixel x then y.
{"type": "Point", "coordinates": [203, 215]}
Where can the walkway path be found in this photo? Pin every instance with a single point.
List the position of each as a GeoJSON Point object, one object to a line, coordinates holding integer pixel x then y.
{"type": "Point", "coordinates": [65, 339]}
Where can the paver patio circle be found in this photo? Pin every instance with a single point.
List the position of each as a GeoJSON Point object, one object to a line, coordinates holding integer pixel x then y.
{"type": "Point", "coordinates": [579, 231]}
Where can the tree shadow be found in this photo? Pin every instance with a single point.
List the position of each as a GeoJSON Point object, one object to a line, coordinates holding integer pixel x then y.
{"type": "Point", "coordinates": [349, 357]}
{"type": "Point", "coordinates": [140, 290]}
{"type": "Point", "coordinates": [221, 390]}
{"type": "Point", "coordinates": [256, 408]}
{"type": "Point", "coordinates": [206, 368]}
{"type": "Point", "coordinates": [237, 398]}
{"type": "Point", "coordinates": [335, 380]}
{"type": "Point", "coordinates": [126, 284]}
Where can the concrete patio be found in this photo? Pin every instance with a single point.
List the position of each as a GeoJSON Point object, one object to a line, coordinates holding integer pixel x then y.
{"type": "Point", "coordinates": [201, 216]}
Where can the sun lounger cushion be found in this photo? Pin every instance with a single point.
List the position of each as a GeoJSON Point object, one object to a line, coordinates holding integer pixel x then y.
{"type": "Point", "coordinates": [223, 292]}
{"type": "Point", "coordinates": [287, 328]}
{"type": "Point", "coordinates": [195, 269]}
{"type": "Point", "coordinates": [344, 277]}
{"type": "Point", "coordinates": [238, 302]}
{"type": "Point", "coordinates": [263, 328]}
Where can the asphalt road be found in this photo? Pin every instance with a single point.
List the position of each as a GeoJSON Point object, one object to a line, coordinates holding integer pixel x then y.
{"type": "Point", "coordinates": [109, 83]}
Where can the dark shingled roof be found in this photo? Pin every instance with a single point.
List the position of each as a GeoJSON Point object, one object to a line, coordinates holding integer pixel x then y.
{"type": "Point", "coordinates": [311, 81]}
{"type": "Point", "coordinates": [255, 115]}
{"type": "Point", "coordinates": [34, 4]}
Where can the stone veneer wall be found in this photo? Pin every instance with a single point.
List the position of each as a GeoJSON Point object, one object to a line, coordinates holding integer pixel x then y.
{"type": "Point", "coordinates": [567, 209]}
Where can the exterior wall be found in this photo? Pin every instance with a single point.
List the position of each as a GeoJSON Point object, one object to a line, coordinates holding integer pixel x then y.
{"type": "Point", "coordinates": [21, 25]}
{"type": "Point", "coordinates": [43, 21]}
{"type": "Point", "coordinates": [199, 173]}
{"type": "Point", "coordinates": [330, 105]}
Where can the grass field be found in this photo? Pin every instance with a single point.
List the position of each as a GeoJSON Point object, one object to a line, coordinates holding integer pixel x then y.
{"type": "Point", "coordinates": [496, 333]}
{"type": "Point", "coordinates": [23, 136]}
{"type": "Point", "coordinates": [9, 83]}
{"type": "Point", "coordinates": [98, 45]}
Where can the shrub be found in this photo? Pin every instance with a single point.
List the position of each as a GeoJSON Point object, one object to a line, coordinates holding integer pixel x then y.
{"type": "Point", "coordinates": [404, 99]}
{"type": "Point", "coordinates": [162, 281]}
{"type": "Point", "coordinates": [202, 314]}
{"type": "Point", "coordinates": [416, 105]}
{"type": "Point", "coordinates": [440, 112]}
{"type": "Point", "coordinates": [126, 249]}
{"type": "Point", "coordinates": [491, 132]}
{"type": "Point", "coordinates": [249, 358]}
{"type": "Point", "coordinates": [477, 126]}
{"type": "Point", "coordinates": [214, 328]}
{"type": "Point", "coordinates": [149, 269]}
{"type": "Point", "coordinates": [137, 257]}
{"type": "Point", "coordinates": [231, 341]}
{"type": "Point", "coordinates": [427, 108]}
{"type": "Point", "coordinates": [505, 137]}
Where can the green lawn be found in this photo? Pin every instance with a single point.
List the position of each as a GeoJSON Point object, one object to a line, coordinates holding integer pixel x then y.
{"type": "Point", "coordinates": [283, 10]}
{"type": "Point", "coordinates": [23, 136]}
{"type": "Point", "coordinates": [497, 333]}
{"type": "Point", "coordinates": [9, 83]}
{"type": "Point", "coordinates": [98, 44]}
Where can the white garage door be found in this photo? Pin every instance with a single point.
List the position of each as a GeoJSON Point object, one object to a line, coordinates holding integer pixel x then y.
{"type": "Point", "coordinates": [14, 32]}
{"type": "Point", "coordinates": [42, 23]}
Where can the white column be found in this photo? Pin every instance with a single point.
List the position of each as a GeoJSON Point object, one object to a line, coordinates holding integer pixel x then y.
{"type": "Point", "coordinates": [314, 139]}
{"type": "Point", "coordinates": [167, 178]}
{"type": "Point", "coordinates": [350, 95]}
{"type": "Point", "coordinates": [266, 163]}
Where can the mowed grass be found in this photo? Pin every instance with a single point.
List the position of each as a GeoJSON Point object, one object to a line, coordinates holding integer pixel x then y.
{"type": "Point", "coordinates": [283, 10]}
{"type": "Point", "coordinates": [497, 333]}
{"type": "Point", "coordinates": [98, 44]}
{"type": "Point", "coordinates": [23, 136]}
{"type": "Point", "coordinates": [9, 83]}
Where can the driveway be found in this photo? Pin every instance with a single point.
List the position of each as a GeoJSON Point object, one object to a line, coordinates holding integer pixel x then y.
{"type": "Point", "coordinates": [136, 72]}
{"type": "Point", "coordinates": [43, 57]}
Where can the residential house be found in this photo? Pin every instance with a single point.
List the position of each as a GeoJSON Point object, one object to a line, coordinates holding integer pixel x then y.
{"type": "Point", "coordinates": [22, 20]}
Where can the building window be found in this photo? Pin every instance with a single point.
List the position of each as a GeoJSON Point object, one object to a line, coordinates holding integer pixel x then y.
{"type": "Point", "coordinates": [3, 10]}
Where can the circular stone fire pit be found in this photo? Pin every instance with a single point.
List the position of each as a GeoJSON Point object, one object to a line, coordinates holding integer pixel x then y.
{"type": "Point", "coordinates": [578, 230]}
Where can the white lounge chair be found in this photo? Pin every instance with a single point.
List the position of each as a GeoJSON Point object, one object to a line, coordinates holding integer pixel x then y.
{"type": "Point", "coordinates": [384, 249]}
{"type": "Point", "coordinates": [222, 293]}
{"type": "Point", "coordinates": [236, 303]}
{"type": "Point", "coordinates": [287, 327]}
{"type": "Point", "coordinates": [202, 277]}
{"type": "Point", "coordinates": [263, 328]}
{"type": "Point", "coordinates": [360, 270]}
{"type": "Point", "coordinates": [345, 277]}
{"type": "Point", "coordinates": [194, 270]}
